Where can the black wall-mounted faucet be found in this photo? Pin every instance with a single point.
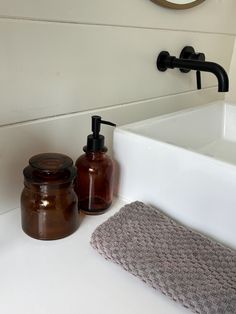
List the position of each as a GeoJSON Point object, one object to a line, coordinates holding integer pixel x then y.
{"type": "Point", "coordinates": [190, 60]}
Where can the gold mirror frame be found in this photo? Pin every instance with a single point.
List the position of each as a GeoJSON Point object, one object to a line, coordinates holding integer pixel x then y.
{"type": "Point", "coordinates": [171, 5]}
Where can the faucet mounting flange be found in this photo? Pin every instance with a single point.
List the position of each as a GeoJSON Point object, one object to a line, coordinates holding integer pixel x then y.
{"type": "Point", "coordinates": [161, 61]}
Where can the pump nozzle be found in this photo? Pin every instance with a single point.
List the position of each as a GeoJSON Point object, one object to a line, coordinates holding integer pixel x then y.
{"type": "Point", "coordinates": [95, 141]}
{"type": "Point", "coordinates": [96, 125]}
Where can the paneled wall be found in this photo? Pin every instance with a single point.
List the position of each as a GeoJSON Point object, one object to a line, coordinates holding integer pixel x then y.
{"type": "Point", "coordinates": [63, 60]}
{"type": "Point", "coordinates": [231, 96]}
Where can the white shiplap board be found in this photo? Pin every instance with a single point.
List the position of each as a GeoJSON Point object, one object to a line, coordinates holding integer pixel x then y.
{"type": "Point", "coordinates": [68, 134]}
{"type": "Point", "coordinates": [49, 69]}
{"type": "Point", "coordinates": [231, 95]}
{"type": "Point", "coordinates": [211, 16]}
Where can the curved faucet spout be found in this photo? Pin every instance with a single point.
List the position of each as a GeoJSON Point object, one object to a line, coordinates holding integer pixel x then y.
{"type": "Point", "coordinates": [205, 66]}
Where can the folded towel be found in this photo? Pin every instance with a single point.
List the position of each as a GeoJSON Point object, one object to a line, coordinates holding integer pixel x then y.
{"type": "Point", "coordinates": [188, 267]}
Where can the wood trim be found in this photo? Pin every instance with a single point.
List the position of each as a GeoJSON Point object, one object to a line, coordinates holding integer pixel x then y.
{"type": "Point", "coordinates": [175, 6]}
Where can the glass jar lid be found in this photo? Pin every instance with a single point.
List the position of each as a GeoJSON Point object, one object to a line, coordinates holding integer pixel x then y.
{"type": "Point", "coordinates": [50, 162]}
{"type": "Point", "coordinates": [50, 168]}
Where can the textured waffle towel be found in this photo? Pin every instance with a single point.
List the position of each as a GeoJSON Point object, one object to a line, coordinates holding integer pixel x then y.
{"type": "Point", "coordinates": [190, 268]}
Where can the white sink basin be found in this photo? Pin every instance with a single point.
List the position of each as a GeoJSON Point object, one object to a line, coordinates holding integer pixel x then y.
{"type": "Point", "coordinates": [184, 163]}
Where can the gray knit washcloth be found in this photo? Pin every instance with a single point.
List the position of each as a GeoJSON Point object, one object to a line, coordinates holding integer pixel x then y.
{"type": "Point", "coordinates": [190, 268]}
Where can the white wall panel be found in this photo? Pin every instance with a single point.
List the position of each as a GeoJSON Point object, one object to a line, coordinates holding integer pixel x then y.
{"type": "Point", "coordinates": [231, 95]}
{"type": "Point", "coordinates": [211, 16]}
{"type": "Point", "coordinates": [49, 69]}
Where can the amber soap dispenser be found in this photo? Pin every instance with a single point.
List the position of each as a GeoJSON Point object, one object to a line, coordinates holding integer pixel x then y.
{"type": "Point", "coordinates": [95, 171]}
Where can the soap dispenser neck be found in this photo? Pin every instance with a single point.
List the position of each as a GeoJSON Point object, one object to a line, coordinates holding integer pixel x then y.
{"type": "Point", "coordinates": [96, 126]}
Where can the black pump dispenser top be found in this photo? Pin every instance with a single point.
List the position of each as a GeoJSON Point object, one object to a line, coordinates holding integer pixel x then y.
{"type": "Point", "coordinates": [95, 141]}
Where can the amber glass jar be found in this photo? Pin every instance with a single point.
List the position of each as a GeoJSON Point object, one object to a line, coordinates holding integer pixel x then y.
{"type": "Point", "coordinates": [48, 202]}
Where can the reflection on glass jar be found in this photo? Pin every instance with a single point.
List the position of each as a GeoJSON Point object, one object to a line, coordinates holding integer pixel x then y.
{"type": "Point", "coordinates": [48, 202]}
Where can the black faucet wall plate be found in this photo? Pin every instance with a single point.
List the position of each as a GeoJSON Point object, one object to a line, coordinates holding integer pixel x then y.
{"type": "Point", "coordinates": [189, 53]}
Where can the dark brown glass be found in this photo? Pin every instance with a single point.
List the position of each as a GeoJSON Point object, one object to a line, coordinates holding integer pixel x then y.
{"type": "Point", "coordinates": [94, 182]}
{"type": "Point", "coordinates": [48, 202]}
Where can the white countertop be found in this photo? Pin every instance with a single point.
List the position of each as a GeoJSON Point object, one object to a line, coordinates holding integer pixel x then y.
{"type": "Point", "coordinates": [68, 276]}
